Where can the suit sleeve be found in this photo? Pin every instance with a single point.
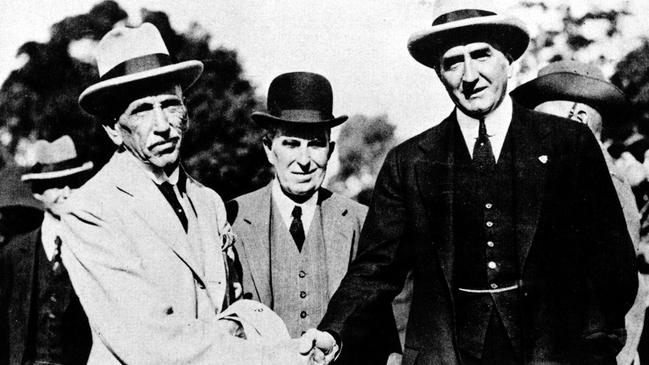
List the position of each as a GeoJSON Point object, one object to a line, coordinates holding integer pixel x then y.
{"type": "Point", "coordinates": [106, 277]}
{"type": "Point", "coordinates": [609, 258]}
{"type": "Point", "coordinates": [378, 273]}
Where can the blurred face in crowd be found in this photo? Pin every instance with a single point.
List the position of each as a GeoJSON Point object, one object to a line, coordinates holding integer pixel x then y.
{"type": "Point", "coordinates": [475, 76]}
{"type": "Point", "coordinates": [578, 112]}
{"type": "Point", "coordinates": [299, 156]}
{"type": "Point", "coordinates": [151, 128]}
{"type": "Point", "coordinates": [53, 193]}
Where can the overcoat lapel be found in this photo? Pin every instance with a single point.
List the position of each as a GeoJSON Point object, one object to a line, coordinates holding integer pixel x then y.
{"type": "Point", "coordinates": [152, 207]}
{"type": "Point", "coordinates": [23, 289]}
{"type": "Point", "coordinates": [255, 232]}
{"type": "Point", "coordinates": [531, 156]}
{"type": "Point", "coordinates": [434, 175]}
{"type": "Point", "coordinates": [338, 233]}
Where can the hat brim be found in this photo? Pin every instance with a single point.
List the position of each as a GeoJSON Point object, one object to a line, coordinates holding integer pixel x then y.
{"type": "Point", "coordinates": [265, 120]}
{"type": "Point", "coordinates": [99, 99]}
{"type": "Point", "coordinates": [507, 31]}
{"type": "Point", "coordinates": [57, 174]}
{"type": "Point", "coordinates": [601, 95]}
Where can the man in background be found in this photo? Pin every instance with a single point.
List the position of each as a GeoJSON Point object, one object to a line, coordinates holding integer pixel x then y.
{"type": "Point", "coordinates": [296, 239]}
{"type": "Point", "coordinates": [580, 92]}
{"type": "Point", "coordinates": [42, 319]}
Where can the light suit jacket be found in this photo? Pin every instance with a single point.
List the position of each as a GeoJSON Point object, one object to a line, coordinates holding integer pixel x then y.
{"type": "Point", "coordinates": [342, 220]}
{"type": "Point", "coordinates": [149, 298]}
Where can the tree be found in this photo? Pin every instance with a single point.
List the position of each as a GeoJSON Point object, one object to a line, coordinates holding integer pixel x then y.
{"type": "Point", "coordinates": [362, 145]}
{"type": "Point", "coordinates": [39, 101]}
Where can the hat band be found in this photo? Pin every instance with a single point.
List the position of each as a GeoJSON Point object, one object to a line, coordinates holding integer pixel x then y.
{"type": "Point", "coordinates": [458, 15]}
{"type": "Point", "coordinates": [138, 64]}
{"type": "Point", "coordinates": [303, 115]}
{"type": "Point", "coordinates": [40, 168]}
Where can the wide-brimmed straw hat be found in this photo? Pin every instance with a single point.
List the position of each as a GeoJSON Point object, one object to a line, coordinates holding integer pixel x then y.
{"type": "Point", "coordinates": [574, 81]}
{"type": "Point", "coordinates": [464, 21]}
{"type": "Point", "coordinates": [299, 99]}
{"type": "Point", "coordinates": [132, 60]}
{"type": "Point", "coordinates": [56, 160]}
{"type": "Point", "coordinates": [257, 321]}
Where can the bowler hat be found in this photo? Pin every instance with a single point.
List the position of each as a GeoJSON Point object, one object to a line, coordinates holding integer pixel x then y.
{"type": "Point", "coordinates": [130, 60]}
{"type": "Point", "coordinates": [574, 81]}
{"type": "Point", "coordinates": [299, 98]}
{"type": "Point", "coordinates": [55, 160]}
{"type": "Point", "coordinates": [465, 21]}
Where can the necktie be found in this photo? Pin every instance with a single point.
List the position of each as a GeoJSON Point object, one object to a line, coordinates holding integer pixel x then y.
{"type": "Point", "coordinates": [483, 156]}
{"type": "Point", "coordinates": [168, 191]}
{"type": "Point", "coordinates": [296, 229]}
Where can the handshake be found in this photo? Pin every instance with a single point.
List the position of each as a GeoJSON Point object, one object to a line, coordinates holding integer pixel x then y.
{"type": "Point", "coordinates": [314, 347]}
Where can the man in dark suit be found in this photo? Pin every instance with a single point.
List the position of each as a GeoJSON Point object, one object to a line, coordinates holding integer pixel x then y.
{"type": "Point", "coordinates": [296, 239]}
{"type": "Point", "coordinates": [507, 217]}
{"type": "Point", "coordinates": [41, 319]}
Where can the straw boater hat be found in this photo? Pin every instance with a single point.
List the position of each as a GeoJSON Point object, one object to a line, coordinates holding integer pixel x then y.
{"type": "Point", "coordinates": [257, 321]}
{"type": "Point", "coordinates": [56, 160]}
{"type": "Point", "coordinates": [130, 61]}
{"type": "Point", "coordinates": [460, 21]}
{"type": "Point", "coordinates": [574, 81]}
{"type": "Point", "coordinates": [299, 98]}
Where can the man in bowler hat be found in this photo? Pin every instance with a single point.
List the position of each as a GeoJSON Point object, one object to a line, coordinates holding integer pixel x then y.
{"type": "Point", "coordinates": [296, 239]}
{"type": "Point", "coordinates": [147, 246]}
{"type": "Point", "coordinates": [41, 320]}
{"type": "Point", "coordinates": [580, 92]}
{"type": "Point", "coordinates": [507, 218]}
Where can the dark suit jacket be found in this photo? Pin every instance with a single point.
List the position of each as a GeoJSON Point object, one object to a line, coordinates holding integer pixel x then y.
{"type": "Point", "coordinates": [19, 262]}
{"type": "Point", "coordinates": [576, 258]}
{"type": "Point", "coordinates": [342, 219]}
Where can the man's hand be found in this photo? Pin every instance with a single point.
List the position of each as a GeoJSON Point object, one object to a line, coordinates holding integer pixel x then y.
{"type": "Point", "coordinates": [323, 346]}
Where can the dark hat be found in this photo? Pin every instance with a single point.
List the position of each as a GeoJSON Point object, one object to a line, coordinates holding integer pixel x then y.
{"type": "Point", "coordinates": [466, 21]}
{"type": "Point", "coordinates": [299, 98]}
{"type": "Point", "coordinates": [129, 59]}
{"type": "Point", "coordinates": [574, 81]}
{"type": "Point", "coordinates": [19, 210]}
{"type": "Point", "coordinates": [55, 160]}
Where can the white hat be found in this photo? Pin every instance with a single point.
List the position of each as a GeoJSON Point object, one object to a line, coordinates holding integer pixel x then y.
{"type": "Point", "coordinates": [130, 60]}
{"type": "Point", "coordinates": [465, 21]}
{"type": "Point", "coordinates": [55, 160]}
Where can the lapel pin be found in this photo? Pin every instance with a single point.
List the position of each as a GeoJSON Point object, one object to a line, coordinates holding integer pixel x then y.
{"type": "Point", "coordinates": [543, 158]}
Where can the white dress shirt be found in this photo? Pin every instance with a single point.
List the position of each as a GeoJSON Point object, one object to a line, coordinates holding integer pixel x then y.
{"type": "Point", "coordinates": [497, 123]}
{"type": "Point", "coordinates": [286, 205]}
{"type": "Point", "coordinates": [49, 230]}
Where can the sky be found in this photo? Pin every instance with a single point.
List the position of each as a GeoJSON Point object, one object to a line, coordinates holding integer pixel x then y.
{"type": "Point", "coordinates": [359, 45]}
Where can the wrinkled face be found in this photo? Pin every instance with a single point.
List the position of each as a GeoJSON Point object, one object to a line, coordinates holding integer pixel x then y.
{"type": "Point", "coordinates": [300, 158]}
{"type": "Point", "coordinates": [152, 127]}
{"type": "Point", "coordinates": [475, 76]}
{"type": "Point", "coordinates": [578, 112]}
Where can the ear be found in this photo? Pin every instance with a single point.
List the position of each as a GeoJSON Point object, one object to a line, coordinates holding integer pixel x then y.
{"type": "Point", "coordinates": [332, 146]}
{"type": "Point", "coordinates": [114, 133]}
{"type": "Point", "coordinates": [268, 148]}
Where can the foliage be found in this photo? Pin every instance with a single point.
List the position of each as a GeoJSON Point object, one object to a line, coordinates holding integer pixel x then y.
{"type": "Point", "coordinates": [39, 100]}
{"type": "Point", "coordinates": [362, 145]}
{"type": "Point", "coordinates": [632, 76]}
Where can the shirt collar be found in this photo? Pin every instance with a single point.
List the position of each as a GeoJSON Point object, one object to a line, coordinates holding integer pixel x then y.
{"type": "Point", "coordinates": [177, 176]}
{"type": "Point", "coordinates": [497, 121]}
{"type": "Point", "coordinates": [285, 203]}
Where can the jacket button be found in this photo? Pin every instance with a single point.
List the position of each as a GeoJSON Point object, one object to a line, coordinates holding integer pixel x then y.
{"type": "Point", "coordinates": [303, 314]}
{"type": "Point", "coordinates": [303, 294]}
{"type": "Point", "coordinates": [301, 274]}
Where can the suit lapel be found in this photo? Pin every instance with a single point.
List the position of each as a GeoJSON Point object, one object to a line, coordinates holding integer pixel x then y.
{"type": "Point", "coordinates": [255, 231]}
{"type": "Point", "coordinates": [531, 159]}
{"type": "Point", "coordinates": [152, 207]}
{"type": "Point", "coordinates": [338, 233]}
{"type": "Point", "coordinates": [434, 175]}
